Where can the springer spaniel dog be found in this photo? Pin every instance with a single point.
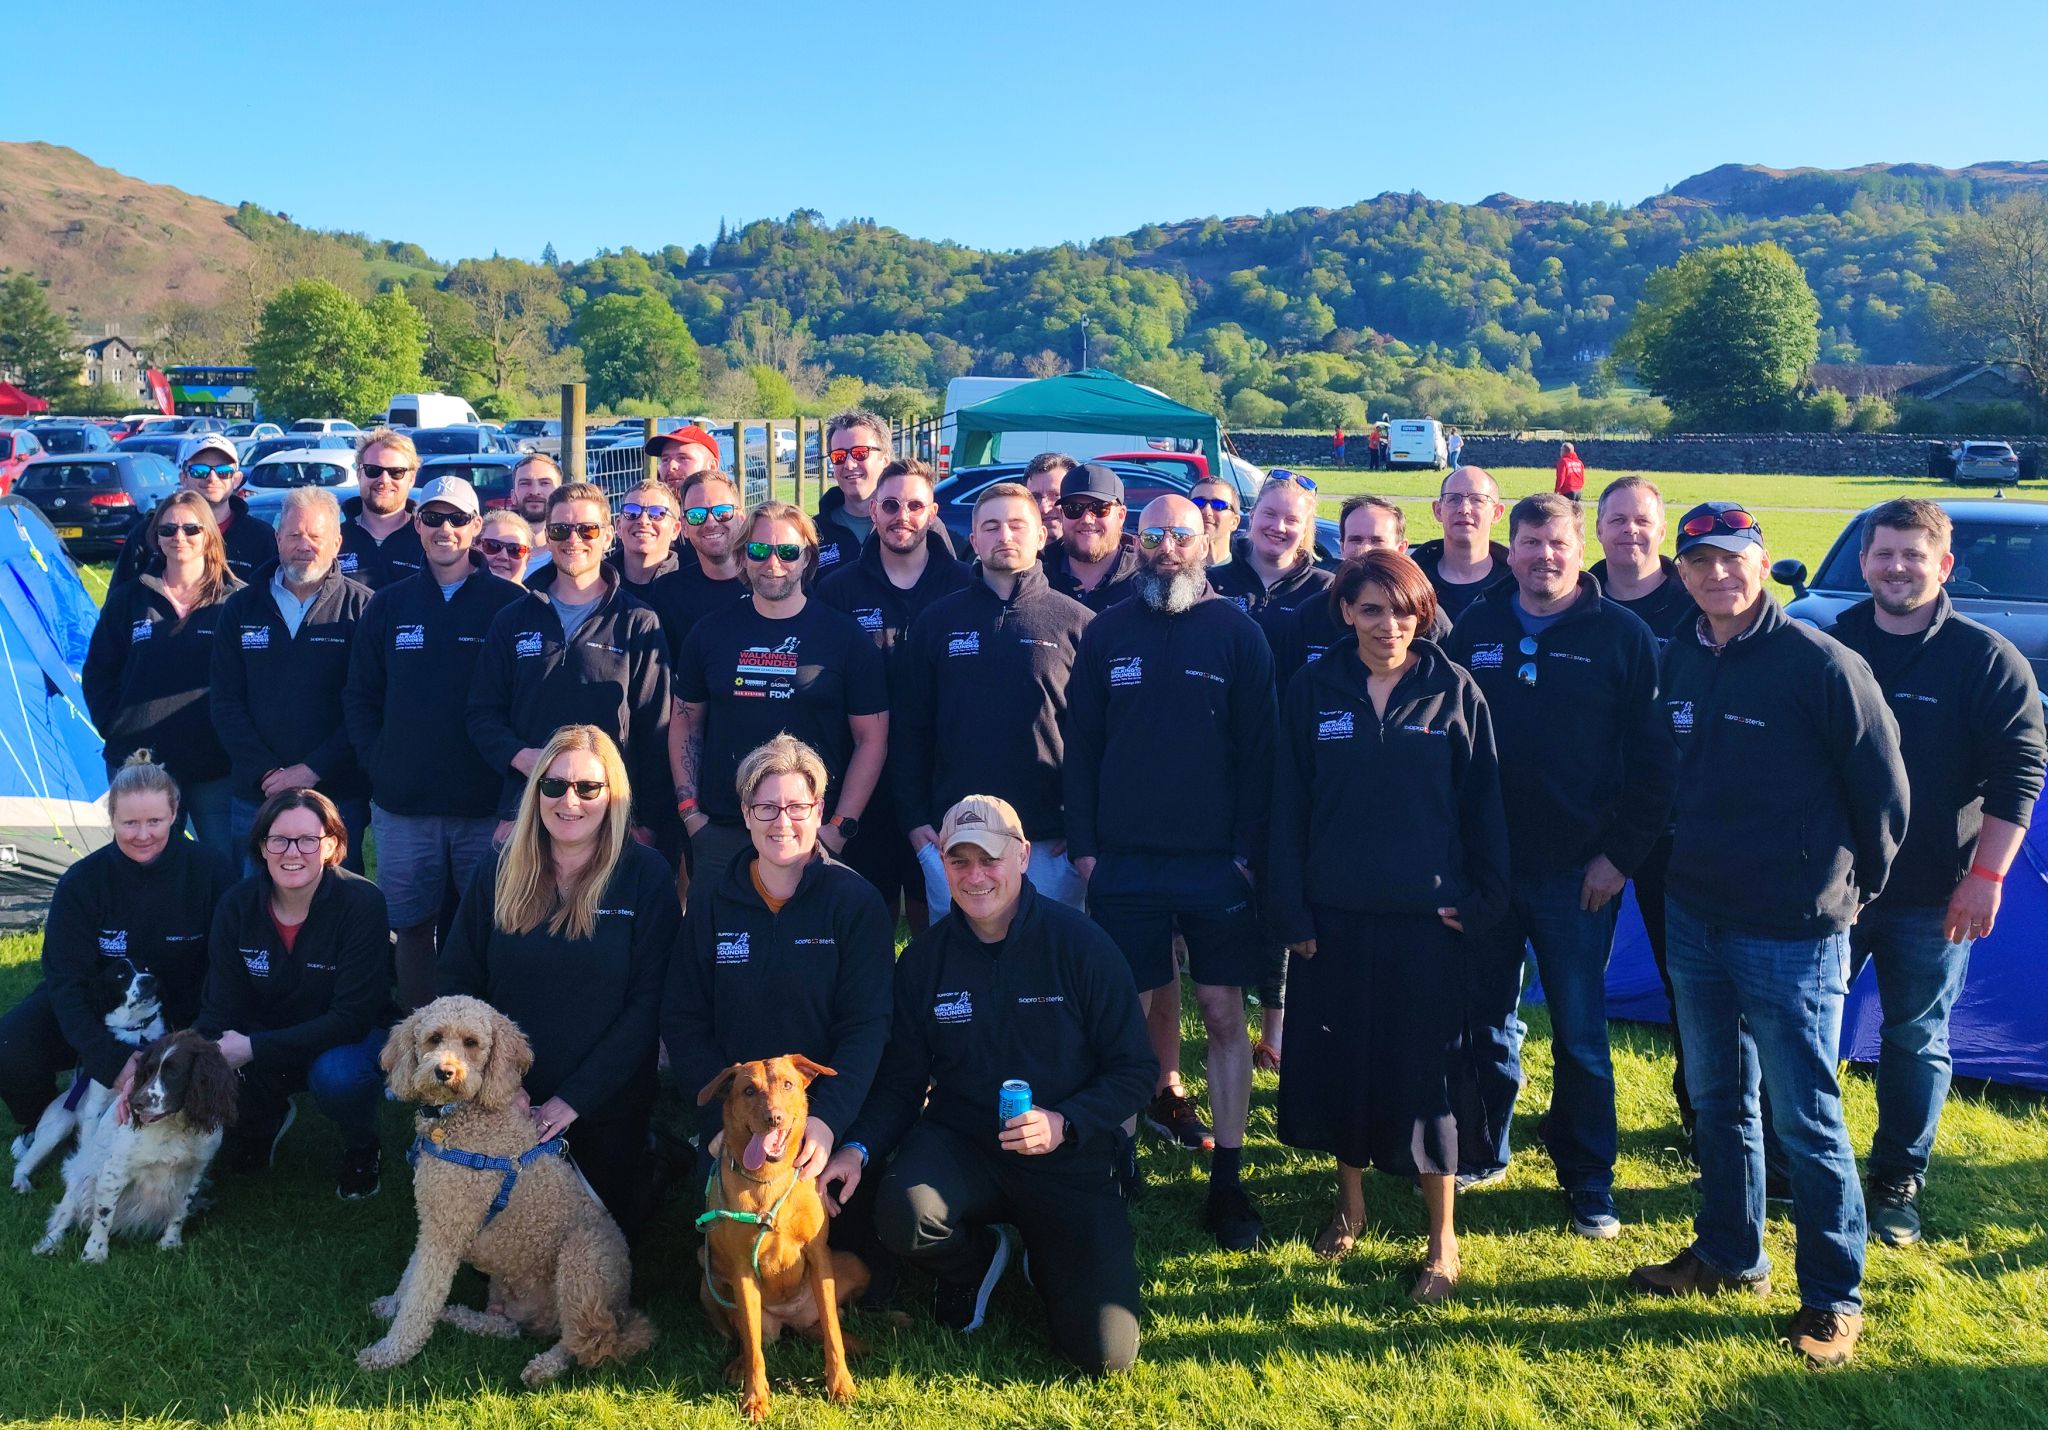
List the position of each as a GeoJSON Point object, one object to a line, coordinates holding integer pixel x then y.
{"type": "Point", "coordinates": [125, 997]}
{"type": "Point", "coordinates": [137, 1178]}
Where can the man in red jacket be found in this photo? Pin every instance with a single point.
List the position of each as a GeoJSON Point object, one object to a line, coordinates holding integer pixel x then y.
{"type": "Point", "coordinates": [1571, 474]}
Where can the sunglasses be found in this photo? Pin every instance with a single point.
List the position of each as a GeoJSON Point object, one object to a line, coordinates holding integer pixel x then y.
{"type": "Point", "coordinates": [1074, 508]}
{"type": "Point", "coordinates": [789, 551]}
{"type": "Point", "coordinates": [1736, 520]}
{"type": "Point", "coordinates": [1153, 537]}
{"type": "Point", "coordinates": [441, 516]}
{"type": "Point", "coordinates": [698, 515]}
{"type": "Point", "coordinates": [494, 546]}
{"type": "Point", "coordinates": [1213, 503]}
{"type": "Point", "coordinates": [203, 470]}
{"type": "Point", "coordinates": [841, 455]}
{"type": "Point", "coordinates": [563, 530]}
{"type": "Point", "coordinates": [372, 470]}
{"type": "Point", "coordinates": [555, 788]}
{"type": "Point", "coordinates": [179, 528]}
{"type": "Point", "coordinates": [652, 513]}
{"type": "Point", "coordinates": [1526, 672]}
{"type": "Point", "coordinates": [1281, 474]}
{"type": "Point", "coordinates": [892, 506]}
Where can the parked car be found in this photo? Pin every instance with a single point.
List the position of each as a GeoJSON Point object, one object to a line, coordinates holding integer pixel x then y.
{"type": "Point", "coordinates": [429, 409]}
{"type": "Point", "coordinates": [134, 422]}
{"type": "Point", "coordinates": [264, 485]}
{"type": "Point", "coordinates": [460, 441]}
{"type": "Point", "coordinates": [71, 438]}
{"type": "Point", "coordinates": [2000, 576]}
{"type": "Point", "coordinates": [256, 430]}
{"type": "Point", "coordinates": [171, 446]}
{"type": "Point", "coordinates": [489, 472]}
{"type": "Point", "coordinates": [296, 442]}
{"type": "Point", "coordinates": [93, 499]}
{"type": "Point", "coordinates": [17, 449]}
{"type": "Point", "coordinates": [190, 425]}
{"type": "Point", "coordinates": [536, 434]}
{"type": "Point", "coordinates": [323, 424]}
{"type": "Point", "coordinates": [1987, 462]}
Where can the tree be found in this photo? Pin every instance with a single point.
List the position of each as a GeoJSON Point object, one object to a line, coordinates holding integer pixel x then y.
{"type": "Point", "coordinates": [316, 355]}
{"type": "Point", "coordinates": [547, 254]}
{"type": "Point", "coordinates": [1996, 306]}
{"type": "Point", "coordinates": [1725, 335]}
{"type": "Point", "coordinates": [398, 339]}
{"type": "Point", "coordinates": [36, 351]}
{"type": "Point", "coordinates": [514, 306]}
{"type": "Point", "coordinates": [636, 346]}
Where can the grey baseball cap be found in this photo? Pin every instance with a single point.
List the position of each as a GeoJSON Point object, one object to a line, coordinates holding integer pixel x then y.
{"type": "Point", "coordinates": [450, 491]}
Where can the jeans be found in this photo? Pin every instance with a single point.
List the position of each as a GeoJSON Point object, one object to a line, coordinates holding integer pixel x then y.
{"type": "Point", "coordinates": [1572, 947]}
{"type": "Point", "coordinates": [1761, 1012]}
{"type": "Point", "coordinates": [1919, 976]}
{"type": "Point", "coordinates": [1050, 874]}
{"type": "Point", "coordinates": [346, 1084]}
{"type": "Point", "coordinates": [205, 807]}
{"type": "Point", "coordinates": [355, 816]}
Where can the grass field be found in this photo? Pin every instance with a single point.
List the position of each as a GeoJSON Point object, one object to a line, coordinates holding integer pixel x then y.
{"type": "Point", "coordinates": [256, 1322]}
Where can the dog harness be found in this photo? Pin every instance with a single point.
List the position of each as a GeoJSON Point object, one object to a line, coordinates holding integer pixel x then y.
{"type": "Point", "coordinates": [765, 1221]}
{"type": "Point", "coordinates": [433, 1143]}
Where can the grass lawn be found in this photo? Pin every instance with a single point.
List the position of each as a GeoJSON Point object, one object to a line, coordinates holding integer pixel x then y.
{"type": "Point", "coordinates": [257, 1320]}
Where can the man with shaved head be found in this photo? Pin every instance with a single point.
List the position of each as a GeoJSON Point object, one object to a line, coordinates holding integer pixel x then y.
{"type": "Point", "coordinates": [1465, 562]}
{"type": "Point", "coordinates": [1168, 774]}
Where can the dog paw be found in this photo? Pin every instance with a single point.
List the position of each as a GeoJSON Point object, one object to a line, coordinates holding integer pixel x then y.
{"type": "Point", "coordinates": [380, 1355]}
{"type": "Point", "coordinates": [20, 1183]}
{"type": "Point", "coordinates": [18, 1147]}
{"type": "Point", "coordinates": [736, 1371]}
{"type": "Point", "coordinates": [95, 1251]}
{"type": "Point", "coordinates": [840, 1388]}
{"type": "Point", "coordinates": [754, 1405]}
{"type": "Point", "coordinates": [47, 1246]}
{"type": "Point", "coordinates": [384, 1307]}
{"type": "Point", "coordinates": [170, 1241]}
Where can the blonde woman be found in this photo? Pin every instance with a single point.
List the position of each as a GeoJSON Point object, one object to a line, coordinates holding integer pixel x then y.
{"type": "Point", "coordinates": [567, 932]}
{"type": "Point", "coordinates": [505, 545]}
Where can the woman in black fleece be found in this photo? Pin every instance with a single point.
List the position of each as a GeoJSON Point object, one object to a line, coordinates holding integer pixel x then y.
{"type": "Point", "coordinates": [567, 932]}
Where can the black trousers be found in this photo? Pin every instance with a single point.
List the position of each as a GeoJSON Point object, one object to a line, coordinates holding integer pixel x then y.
{"type": "Point", "coordinates": [610, 1151]}
{"type": "Point", "coordinates": [32, 1052]}
{"type": "Point", "coordinates": [1649, 879]}
{"type": "Point", "coordinates": [944, 1193]}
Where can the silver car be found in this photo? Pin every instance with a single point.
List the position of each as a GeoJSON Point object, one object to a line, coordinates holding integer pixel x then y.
{"type": "Point", "coordinates": [1987, 462]}
{"type": "Point", "coordinates": [264, 485]}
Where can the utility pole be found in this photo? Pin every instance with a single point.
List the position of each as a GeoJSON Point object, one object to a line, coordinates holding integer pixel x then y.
{"type": "Point", "coordinates": [1084, 340]}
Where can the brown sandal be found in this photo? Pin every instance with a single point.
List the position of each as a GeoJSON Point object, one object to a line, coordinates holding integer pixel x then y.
{"type": "Point", "coordinates": [1434, 1286]}
{"type": "Point", "coordinates": [1337, 1238]}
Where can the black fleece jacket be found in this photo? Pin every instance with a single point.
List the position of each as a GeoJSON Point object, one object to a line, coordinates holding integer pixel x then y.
{"type": "Point", "coordinates": [1586, 756]}
{"type": "Point", "coordinates": [145, 679]}
{"type": "Point", "coordinates": [590, 1007]}
{"type": "Point", "coordinates": [973, 669]}
{"type": "Point", "coordinates": [1119, 583]}
{"type": "Point", "coordinates": [407, 697]}
{"type": "Point", "coordinates": [251, 545]}
{"type": "Point", "coordinates": [1453, 596]}
{"type": "Point", "coordinates": [1273, 606]}
{"type": "Point", "coordinates": [332, 987]}
{"type": "Point", "coordinates": [1666, 611]}
{"type": "Point", "coordinates": [613, 674]}
{"type": "Point", "coordinates": [864, 591]}
{"type": "Point", "coordinates": [838, 544]}
{"type": "Point", "coordinates": [1969, 716]}
{"type": "Point", "coordinates": [1052, 1004]}
{"type": "Point", "coordinates": [276, 697]}
{"type": "Point", "coordinates": [1792, 796]}
{"type": "Point", "coordinates": [812, 978]}
{"type": "Point", "coordinates": [1310, 629]}
{"type": "Point", "coordinates": [156, 915]}
{"type": "Point", "coordinates": [1199, 683]}
{"type": "Point", "coordinates": [1394, 814]}
{"type": "Point", "coordinates": [375, 563]}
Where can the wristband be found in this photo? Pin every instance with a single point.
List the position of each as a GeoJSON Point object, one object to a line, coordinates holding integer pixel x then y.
{"type": "Point", "coordinates": [860, 1147]}
{"type": "Point", "coordinates": [1983, 873]}
{"type": "Point", "coordinates": [685, 806]}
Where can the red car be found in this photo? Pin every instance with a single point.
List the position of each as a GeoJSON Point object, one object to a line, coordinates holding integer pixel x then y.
{"type": "Point", "coordinates": [16, 447]}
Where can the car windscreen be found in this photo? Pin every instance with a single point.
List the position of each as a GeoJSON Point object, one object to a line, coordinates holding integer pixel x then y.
{"type": "Point", "coordinates": [66, 476]}
{"type": "Point", "coordinates": [1998, 560]}
{"type": "Point", "coordinates": [432, 443]}
{"type": "Point", "coordinates": [487, 477]}
{"type": "Point", "coordinates": [298, 474]}
{"type": "Point", "coordinates": [63, 440]}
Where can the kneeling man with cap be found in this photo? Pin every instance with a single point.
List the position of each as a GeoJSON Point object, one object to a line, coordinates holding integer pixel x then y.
{"type": "Point", "coordinates": [1008, 986]}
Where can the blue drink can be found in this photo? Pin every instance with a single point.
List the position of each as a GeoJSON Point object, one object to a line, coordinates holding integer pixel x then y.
{"type": "Point", "coordinates": [1013, 1100]}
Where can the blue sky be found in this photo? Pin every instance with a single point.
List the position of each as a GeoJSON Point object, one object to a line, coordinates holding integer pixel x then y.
{"type": "Point", "coordinates": [472, 127]}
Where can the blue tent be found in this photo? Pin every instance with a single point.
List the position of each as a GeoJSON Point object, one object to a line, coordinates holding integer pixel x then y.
{"type": "Point", "coordinates": [53, 782]}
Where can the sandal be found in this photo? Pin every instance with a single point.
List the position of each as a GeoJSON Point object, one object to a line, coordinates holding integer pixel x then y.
{"type": "Point", "coordinates": [1434, 1286]}
{"type": "Point", "coordinates": [1265, 1056]}
{"type": "Point", "coordinates": [1337, 1238]}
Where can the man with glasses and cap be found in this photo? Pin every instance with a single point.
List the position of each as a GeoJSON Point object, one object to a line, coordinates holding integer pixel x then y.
{"type": "Point", "coordinates": [214, 471]}
{"type": "Point", "coordinates": [379, 543]}
{"type": "Point", "coordinates": [681, 454]}
{"type": "Point", "coordinates": [1586, 767]}
{"type": "Point", "coordinates": [1791, 804]}
{"type": "Point", "coordinates": [1465, 562]}
{"type": "Point", "coordinates": [1093, 561]}
{"type": "Point", "coordinates": [857, 448]}
{"type": "Point", "coordinates": [1171, 716]}
{"type": "Point", "coordinates": [433, 798]}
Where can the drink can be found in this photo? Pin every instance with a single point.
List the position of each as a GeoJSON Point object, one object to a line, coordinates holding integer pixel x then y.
{"type": "Point", "coordinates": [1013, 1100]}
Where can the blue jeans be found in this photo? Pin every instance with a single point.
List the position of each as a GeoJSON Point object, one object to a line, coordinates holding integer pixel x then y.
{"type": "Point", "coordinates": [355, 815]}
{"type": "Point", "coordinates": [1760, 1012]}
{"type": "Point", "coordinates": [1919, 977]}
{"type": "Point", "coordinates": [348, 1087]}
{"type": "Point", "coordinates": [1572, 947]}
{"type": "Point", "coordinates": [205, 807]}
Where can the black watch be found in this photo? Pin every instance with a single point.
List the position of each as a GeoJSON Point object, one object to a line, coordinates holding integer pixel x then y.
{"type": "Point", "coordinates": [848, 826]}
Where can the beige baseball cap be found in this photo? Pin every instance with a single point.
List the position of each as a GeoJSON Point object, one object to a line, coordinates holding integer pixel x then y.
{"type": "Point", "coordinates": [983, 820]}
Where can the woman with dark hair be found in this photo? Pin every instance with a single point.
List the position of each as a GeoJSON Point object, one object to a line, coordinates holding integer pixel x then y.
{"type": "Point", "coordinates": [1388, 844]}
{"type": "Point", "coordinates": [298, 987]}
{"type": "Point", "coordinates": [566, 931]}
{"type": "Point", "coordinates": [150, 664]}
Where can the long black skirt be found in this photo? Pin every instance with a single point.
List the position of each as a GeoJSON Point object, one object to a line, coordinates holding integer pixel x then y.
{"type": "Point", "coordinates": [1373, 1042]}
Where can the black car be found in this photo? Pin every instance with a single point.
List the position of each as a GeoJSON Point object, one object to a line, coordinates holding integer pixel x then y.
{"type": "Point", "coordinates": [489, 472]}
{"type": "Point", "coordinates": [70, 439]}
{"type": "Point", "coordinates": [2000, 576]}
{"type": "Point", "coordinates": [93, 500]}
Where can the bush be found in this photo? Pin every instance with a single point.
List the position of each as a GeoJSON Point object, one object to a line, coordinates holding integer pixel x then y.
{"type": "Point", "coordinates": [1826, 411]}
{"type": "Point", "coordinates": [1320, 409]}
{"type": "Point", "coordinates": [1254, 409]}
{"type": "Point", "coordinates": [1873, 414]}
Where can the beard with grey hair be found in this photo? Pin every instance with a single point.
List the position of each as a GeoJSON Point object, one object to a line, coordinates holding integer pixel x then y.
{"type": "Point", "coordinates": [1171, 592]}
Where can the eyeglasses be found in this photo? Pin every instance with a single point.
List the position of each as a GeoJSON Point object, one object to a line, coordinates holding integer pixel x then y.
{"type": "Point", "coordinates": [1074, 508]}
{"type": "Point", "coordinates": [1458, 499]}
{"type": "Point", "coordinates": [442, 516]}
{"type": "Point", "coordinates": [790, 551]}
{"type": "Point", "coordinates": [1281, 474]}
{"type": "Point", "coordinates": [204, 470]}
{"type": "Point", "coordinates": [1153, 536]}
{"type": "Point", "coordinates": [1214, 503]}
{"type": "Point", "coordinates": [842, 455]}
{"type": "Point", "coordinates": [285, 843]}
{"type": "Point", "coordinates": [179, 528]}
{"type": "Point", "coordinates": [798, 811]}
{"type": "Point", "coordinates": [1736, 520]}
{"type": "Point", "coordinates": [1526, 672]}
{"type": "Point", "coordinates": [563, 530]}
{"type": "Point", "coordinates": [698, 515]}
{"type": "Point", "coordinates": [372, 470]}
{"type": "Point", "coordinates": [553, 788]}
{"type": "Point", "coordinates": [652, 513]}
{"type": "Point", "coordinates": [494, 546]}
{"type": "Point", "coordinates": [892, 506]}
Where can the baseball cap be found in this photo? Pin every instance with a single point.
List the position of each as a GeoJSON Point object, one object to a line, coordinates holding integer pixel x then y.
{"type": "Point", "coordinates": [1093, 479]}
{"type": "Point", "coordinates": [214, 442]}
{"type": "Point", "coordinates": [684, 436]}
{"type": "Point", "coordinates": [450, 491]}
{"type": "Point", "coordinates": [1724, 524]}
{"type": "Point", "coordinates": [983, 820]}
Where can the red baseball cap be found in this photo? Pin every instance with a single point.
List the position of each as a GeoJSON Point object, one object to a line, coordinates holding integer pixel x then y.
{"type": "Point", "coordinates": [685, 436]}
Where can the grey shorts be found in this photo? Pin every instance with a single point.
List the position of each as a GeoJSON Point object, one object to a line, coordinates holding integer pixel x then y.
{"type": "Point", "coordinates": [418, 855]}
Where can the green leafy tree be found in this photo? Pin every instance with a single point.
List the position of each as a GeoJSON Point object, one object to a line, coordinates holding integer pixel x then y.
{"type": "Point", "coordinates": [1996, 305]}
{"type": "Point", "coordinates": [36, 351]}
{"type": "Point", "coordinates": [316, 355]}
{"type": "Point", "coordinates": [1726, 335]}
{"type": "Point", "coordinates": [398, 342]}
{"type": "Point", "coordinates": [1248, 408]}
{"type": "Point", "coordinates": [636, 346]}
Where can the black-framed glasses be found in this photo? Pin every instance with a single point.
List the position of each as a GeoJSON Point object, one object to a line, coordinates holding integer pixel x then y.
{"type": "Point", "coordinates": [791, 552]}
{"type": "Point", "coordinates": [443, 516]}
{"type": "Point", "coordinates": [371, 469]}
{"type": "Point", "coordinates": [563, 530]}
{"type": "Point", "coordinates": [652, 513]}
{"type": "Point", "coordinates": [1074, 508]}
{"type": "Point", "coordinates": [285, 843]}
{"type": "Point", "coordinates": [1281, 474]}
{"type": "Point", "coordinates": [1214, 503]}
{"type": "Point", "coordinates": [179, 528]}
{"type": "Point", "coordinates": [205, 470]}
{"type": "Point", "coordinates": [1152, 537]}
{"type": "Point", "coordinates": [798, 811]}
{"type": "Point", "coordinates": [697, 515]}
{"type": "Point", "coordinates": [841, 455]}
{"type": "Point", "coordinates": [893, 506]}
{"type": "Point", "coordinates": [498, 546]}
{"type": "Point", "coordinates": [554, 788]}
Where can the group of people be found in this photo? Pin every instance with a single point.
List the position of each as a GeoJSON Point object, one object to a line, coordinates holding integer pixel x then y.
{"type": "Point", "coordinates": [663, 778]}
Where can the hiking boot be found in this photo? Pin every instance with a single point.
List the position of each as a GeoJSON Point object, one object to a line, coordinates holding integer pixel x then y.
{"type": "Point", "coordinates": [1473, 1181]}
{"type": "Point", "coordinates": [1172, 1115]}
{"type": "Point", "coordinates": [1895, 1211]}
{"type": "Point", "coordinates": [1825, 1338]}
{"type": "Point", "coordinates": [961, 1306]}
{"type": "Point", "coordinates": [1593, 1214]}
{"type": "Point", "coordinates": [1686, 1275]}
{"type": "Point", "coordinates": [1230, 1216]}
{"type": "Point", "coordinates": [357, 1179]}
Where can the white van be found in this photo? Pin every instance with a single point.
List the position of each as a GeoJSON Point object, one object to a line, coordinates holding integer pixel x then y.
{"type": "Point", "coordinates": [430, 409]}
{"type": "Point", "coordinates": [1023, 446]}
{"type": "Point", "coordinates": [1417, 444]}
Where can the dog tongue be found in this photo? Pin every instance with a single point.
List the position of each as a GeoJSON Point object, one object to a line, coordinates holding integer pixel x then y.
{"type": "Point", "coordinates": [756, 1153]}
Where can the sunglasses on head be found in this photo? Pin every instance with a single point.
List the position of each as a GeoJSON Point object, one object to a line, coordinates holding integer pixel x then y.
{"type": "Point", "coordinates": [1152, 537]}
{"type": "Point", "coordinates": [372, 470]}
{"type": "Point", "coordinates": [698, 515]}
{"type": "Point", "coordinates": [555, 788]}
{"type": "Point", "coordinates": [203, 470]}
{"type": "Point", "coordinates": [1074, 508]}
{"type": "Point", "coordinates": [1281, 474]}
{"type": "Point", "coordinates": [179, 528]}
{"type": "Point", "coordinates": [892, 506]}
{"type": "Point", "coordinates": [1736, 520]}
{"type": "Point", "coordinates": [443, 516]}
{"type": "Point", "coordinates": [841, 455]}
{"type": "Point", "coordinates": [790, 551]}
{"type": "Point", "coordinates": [497, 546]}
{"type": "Point", "coordinates": [652, 513]}
{"type": "Point", "coordinates": [1213, 503]}
{"type": "Point", "coordinates": [563, 530]}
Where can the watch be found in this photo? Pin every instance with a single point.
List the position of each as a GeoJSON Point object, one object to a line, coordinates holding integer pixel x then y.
{"type": "Point", "coordinates": [848, 825]}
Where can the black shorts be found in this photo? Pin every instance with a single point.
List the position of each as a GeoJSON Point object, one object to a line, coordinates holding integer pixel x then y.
{"type": "Point", "coordinates": [1142, 900]}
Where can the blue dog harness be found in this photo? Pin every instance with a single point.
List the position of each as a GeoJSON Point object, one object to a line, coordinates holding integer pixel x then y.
{"type": "Point", "coordinates": [432, 1142]}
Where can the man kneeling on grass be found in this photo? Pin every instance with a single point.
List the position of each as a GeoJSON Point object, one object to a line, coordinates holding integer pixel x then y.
{"type": "Point", "coordinates": [1008, 986]}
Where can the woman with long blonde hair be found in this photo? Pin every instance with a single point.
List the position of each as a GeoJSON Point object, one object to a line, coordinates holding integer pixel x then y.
{"type": "Point", "coordinates": [567, 932]}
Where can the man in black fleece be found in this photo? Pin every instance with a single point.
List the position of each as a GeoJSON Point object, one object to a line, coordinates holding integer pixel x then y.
{"type": "Point", "coordinates": [213, 470]}
{"type": "Point", "coordinates": [1009, 985]}
{"type": "Point", "coordinates": [280, 659]}
{"type": "Point", "coordinates": [433, 799]}
{"type": "Point", "coordinates": [1586, 769]}
{"type": "Point", "coordinates": [1465, 563]}
{"type": "Point", "coordinates": [1092, 561]}
{"type": "Point", "coordinates": [1180, 667]}
{"type": "Point", "coordinates": [857, 447]}
{"type": "Point", "coordinates": [996, 654]}
{"type": "Point", "coordinates": [1969, 716]}
{"type": "Point", "coordinates": [379, 544]}
{"type": "Point", "coordinates": [1791, 801]}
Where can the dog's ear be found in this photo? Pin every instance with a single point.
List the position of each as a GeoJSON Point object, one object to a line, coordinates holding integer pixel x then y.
{"type": "Point", "coordinates": [511, 1057]}
{"type": "Point", "coordinates": [809, 1069]}
{"type": "Point", "coordinates": [718, 1085]}
{"type": "Point", "coordinates": [213, 1098]}
{"type": "Point", "coordinates": [400, 1057]}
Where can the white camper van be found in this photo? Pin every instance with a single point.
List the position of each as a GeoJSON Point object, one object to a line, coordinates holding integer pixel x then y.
{"type": "Point", "coordinates": [430, 409]}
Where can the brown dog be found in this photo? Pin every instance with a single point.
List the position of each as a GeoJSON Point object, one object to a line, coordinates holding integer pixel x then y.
{"type": "Point", "coordinates": [766, 1258]}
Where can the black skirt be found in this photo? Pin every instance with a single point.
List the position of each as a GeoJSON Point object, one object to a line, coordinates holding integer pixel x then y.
{"type": "Point", "coordinates": [1373, 1042]}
